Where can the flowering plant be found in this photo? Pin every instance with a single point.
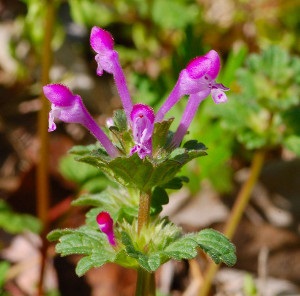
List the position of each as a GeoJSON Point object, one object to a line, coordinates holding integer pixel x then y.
{"type": "Point", "coordinates": [143, 157]}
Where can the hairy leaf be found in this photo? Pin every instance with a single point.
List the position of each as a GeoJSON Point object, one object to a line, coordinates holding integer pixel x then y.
{"type": "Point", "coordinates": [217, 246]}
{"type": "Point", "coordinates": [142, 174]}
{"type": "Point", "coordinates": [183, 248]}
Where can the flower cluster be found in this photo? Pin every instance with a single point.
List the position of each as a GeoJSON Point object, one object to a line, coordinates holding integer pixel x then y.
{"type": "Point", "coordinates": [197, 81]}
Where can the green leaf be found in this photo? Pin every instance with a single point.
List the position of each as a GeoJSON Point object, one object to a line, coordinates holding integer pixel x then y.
{"type": "Point", "coordinates": [96, 259]}
{"type": "Point", "coordinates": [54, 235]}
{"type": "Point", "coordinates": [78, 172]}
{"type": "Point", "coordinates": [168, 14]}
{"type": "Point", "coordinates": [120, 120]}
{"type": "Point", "coordinates": [217, 246]}
{"type": "Point", "coordinates": [14, 223]}
{"type": "Point", "coordinates": [94, 200]}
{"type": "Point", "coordinates": [176, 183]}
{"type": "Point", "coordinates": [160, 135]}
{"type": "Point", "coordinates": [117, 201]}
{"type": "Point", "coordinates": [158, 199]}
{"type": "Point", "coordinates": [249, 287]}
{"type": "Point", "coordinates": [142, 174]}
{"type": "Point", "coordinates": [86, 12]}
{"type": "Point", "coordinates": [183, 248]}
{"type": "Point", "coordinates": [82, 231]}
{"type": "Point", "coordinates": [154, 261]}
{"type": "Point", "coordinates": [131, 251]}
{"type": "Point", "coordinates": [84, 265]}
{"type": "Point", "coordinates": [87, 149]}
{"type": "Point", "coordinates": [194, 145]}
{"type": "Point", "coordinates": [96, 184]}
{"type": "Point", "coordinates": [149, 263]}
{"type": "Point", "coordinates": [78, 243]}
{"type": "Point", "coordinates": [86, 176]}
{"type": "Point", "coordinates": [84, 241]}
{"type": "Point", "coordinates": [4, 267]}
{"type": "Point", "coordinates": [292, 143]}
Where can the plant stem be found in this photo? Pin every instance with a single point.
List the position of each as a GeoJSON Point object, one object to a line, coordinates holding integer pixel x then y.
{"type": "Point", "coordinates": [144, 210]}
{"type": "Point", "coordinates": [236, 214]}
{"type": "Point", "coordinates": [42, 177]}
{"type": "Point", "coordinates": [145, 285]}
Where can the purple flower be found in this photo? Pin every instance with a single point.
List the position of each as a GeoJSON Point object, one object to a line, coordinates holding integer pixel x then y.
{"type": "Point", "coordinates": [142, 124]}
{"type": "Point", "coordinates": [108, 60]}
{"type": "Point", "coordinates": [106, 225]}
{"type": "Point", "coordinates": [69, 107]}
{"type": "Point", "coordinates": [198, 81]}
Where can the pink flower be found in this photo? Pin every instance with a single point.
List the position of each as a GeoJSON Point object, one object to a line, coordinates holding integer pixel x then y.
{"type": "Point", "coordinates": [106, 225]}
{"type": "Point", "coordinates": [69, 107]}
{"type": "Point", "coordinates": [198, 81]}
{"type": "Point", "coordinates": [142, 124]}
{"type": "Point", "coordinates": [108, 60]}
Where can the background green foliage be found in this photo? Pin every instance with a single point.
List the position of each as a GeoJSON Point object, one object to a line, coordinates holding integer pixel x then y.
{"type": "Point", "coordinates": [15, 223]}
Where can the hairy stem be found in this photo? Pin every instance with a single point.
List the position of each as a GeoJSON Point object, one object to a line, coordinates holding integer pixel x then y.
{"type": "Point", "coordinates": [236, 214]}
{"type": "Point", "coordinates": [145, 285]}
{"type": "Point", "coordinates": [42, 166]}
{"type": "Point", "coordinates": [144, 210]}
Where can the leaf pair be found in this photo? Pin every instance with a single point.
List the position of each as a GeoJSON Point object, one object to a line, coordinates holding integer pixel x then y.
{"type": "Point", "coordinates": [212, 242]}
{"type": "Point", "coordinates": [97, 251]}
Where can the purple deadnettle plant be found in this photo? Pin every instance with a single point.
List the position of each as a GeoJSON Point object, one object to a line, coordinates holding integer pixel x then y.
{"type": "Point", "coordinates": [142, 156]}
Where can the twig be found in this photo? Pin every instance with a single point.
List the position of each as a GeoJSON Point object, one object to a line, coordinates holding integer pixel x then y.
{"type": "Point", "coordinates": [236, 214]}
{"type": "Point", "coordinates": [42, 166]}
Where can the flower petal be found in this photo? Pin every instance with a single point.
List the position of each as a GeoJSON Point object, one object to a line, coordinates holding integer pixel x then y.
{"type": "Point", "coordinates": [59, 94]}
{"type": "Point", "coordinates": [215, 66]}
{"type": "Point", "coordinates": [69, 107]}
{"type": "Point", "coordinates": [218, 95]}
{"type": "Point", "coordinates": [139, 110]}
{"type": "Point", "coordinates": [198, 67]}
{"type": "Point", "coordinates": [108, 60]}
{"type": "Point", "coordinates": [195, 78]}
{"type": "Point", "coordinates": [101, 40]}
{"type": "Point", "coordinates": [142, 123]}
{"type": "Point", "coordinates": [51, 123]}
{"type": "Point", "coordinates": [106, 225]}
{"type": "Point", "coordinates": [207, 64]}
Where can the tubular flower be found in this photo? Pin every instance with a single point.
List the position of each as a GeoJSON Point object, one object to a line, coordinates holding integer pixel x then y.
{"type": "Point", "coordinates": [108, 60]}
{"type": "Point", "coordinates": [198, 81]}
{"type": "Point", "coordinates": [106, 225]}
{"type": "Point", "coordinates": [142, 124]}
{"type": "Point", "coordinates": [69, 107]}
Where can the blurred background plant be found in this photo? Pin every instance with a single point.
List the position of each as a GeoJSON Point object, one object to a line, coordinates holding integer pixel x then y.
{"type": "Point", "coordinates": [259, 44]}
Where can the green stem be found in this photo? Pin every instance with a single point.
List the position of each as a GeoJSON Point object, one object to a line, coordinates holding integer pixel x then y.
{"type": "Point", "coordinates": [236, 214]}
{"type": "Point", "coordinates": [144, 210]}
{"type": "Point", "coordinates": [145, 285]}
{"type": "Point", "coordinates": [42, 177]}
